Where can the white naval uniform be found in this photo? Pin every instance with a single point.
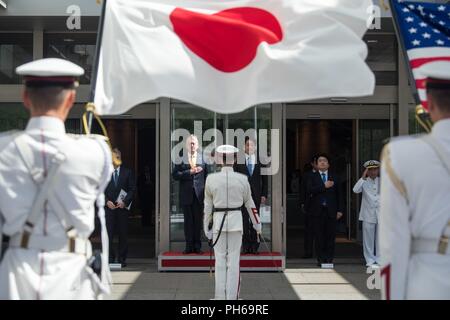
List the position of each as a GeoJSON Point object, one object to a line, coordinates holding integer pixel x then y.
{"type": "Point", "coordinates": [368, 214]}
{"type": "Point", "coordinates": [34, 274]}
{"type": "Point", "coordinates": [228, 189]}
{"type": "Point", "coordinates": [415, 204]}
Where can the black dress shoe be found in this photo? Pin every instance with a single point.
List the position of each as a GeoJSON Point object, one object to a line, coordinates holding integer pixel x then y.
{"type": "Point", "coordinates": [124, 264]}
{"type": "Point", "coordinates": [198, 251]}
{"type": "Point", "coordinates": [187, 251]}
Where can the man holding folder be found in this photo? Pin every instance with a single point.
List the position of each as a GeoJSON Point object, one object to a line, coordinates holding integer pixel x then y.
{"type": "Point", "coordinates": [119, 195]}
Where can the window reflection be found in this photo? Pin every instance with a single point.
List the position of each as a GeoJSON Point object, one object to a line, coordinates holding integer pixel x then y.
{"type": "Point", "coordinates": [76, 47]}
{"type": "Point", "coordinates": [15, 50]}
{"type": "Point", "coordinates": [382, 58]}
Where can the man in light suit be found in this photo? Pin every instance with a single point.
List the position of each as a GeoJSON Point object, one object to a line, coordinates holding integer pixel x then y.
{"type": "Point", "coordinates": [369, 186]}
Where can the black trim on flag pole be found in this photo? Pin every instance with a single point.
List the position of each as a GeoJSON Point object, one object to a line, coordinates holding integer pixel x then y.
{"type": "Point", "coordinates": [405, 54]}
{"type": "Point", "coordinates": [96, 62]}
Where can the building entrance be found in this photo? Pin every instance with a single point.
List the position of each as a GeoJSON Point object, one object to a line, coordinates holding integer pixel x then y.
{"type": "Point", "coordinates": [308, 138]}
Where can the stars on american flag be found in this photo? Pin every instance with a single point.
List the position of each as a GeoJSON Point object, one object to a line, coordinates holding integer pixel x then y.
{"type": "Point", "coordinates": [425, 24]}
{"type": "Point", "coordinates": [424, 28]}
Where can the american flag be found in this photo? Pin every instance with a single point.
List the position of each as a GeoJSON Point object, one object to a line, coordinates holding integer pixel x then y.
{"type": "Point", "coordinates": [425, 31]}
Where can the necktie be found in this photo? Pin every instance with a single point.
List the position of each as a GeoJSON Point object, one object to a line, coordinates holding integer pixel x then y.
{"type": "Point", "coordinates": [249, 166]}
{"type": "Point", "coordinates": [116, 177]}
{"type": "Point", "coordinates": [324, 179]}
{"type": "Point", "coordinates": [193, 160]}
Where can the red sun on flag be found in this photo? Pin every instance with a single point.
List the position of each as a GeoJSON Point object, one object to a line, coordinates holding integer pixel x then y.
{"type": "Point", "coordinates": [227, 40]}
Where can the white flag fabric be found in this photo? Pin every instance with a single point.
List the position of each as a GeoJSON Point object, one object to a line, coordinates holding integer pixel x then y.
{"type": "Point", "coordinates": [228, 55]}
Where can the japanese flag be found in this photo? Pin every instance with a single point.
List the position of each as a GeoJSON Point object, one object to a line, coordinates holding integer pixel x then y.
{"type": "Point", "coordinates": [228, 55]}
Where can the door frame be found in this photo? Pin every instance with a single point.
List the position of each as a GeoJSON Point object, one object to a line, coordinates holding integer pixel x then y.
{"type": "Point", "coordinates": [357, 112]}
{"type": "Point", "coordinates": [146, 111]}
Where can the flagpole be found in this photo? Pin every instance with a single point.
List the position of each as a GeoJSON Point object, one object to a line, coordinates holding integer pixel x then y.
{"type": "Point", "coordinates": [421, 115]}
{"type": "Point", "coordinates": [90, 106]}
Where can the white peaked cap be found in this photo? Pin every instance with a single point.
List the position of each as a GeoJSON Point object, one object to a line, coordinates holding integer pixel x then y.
{"type": "Point", "coordinates": [50, 67]}
{"type": "Point", "coordinates": [436, 70]}
{"type": "Point", "coordinates": [372, 164]}
{"type": "Point", "coordinates": [227, 149]}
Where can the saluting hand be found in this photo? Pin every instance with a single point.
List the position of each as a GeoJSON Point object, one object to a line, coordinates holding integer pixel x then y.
{"type": "Point", "coordinates": [364, 176]}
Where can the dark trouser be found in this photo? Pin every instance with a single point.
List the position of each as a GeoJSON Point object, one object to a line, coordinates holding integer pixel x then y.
{"type": "Point", "coordinates": [324, 235]}
{"type": "Point", "coordinates": [250, 242]}
{"type": "Point", "coordinates": [193, 222]}
{"type": "Point", "coordinates": [309, 234]}
{"type": "Point", "coordinates": [117, 220]}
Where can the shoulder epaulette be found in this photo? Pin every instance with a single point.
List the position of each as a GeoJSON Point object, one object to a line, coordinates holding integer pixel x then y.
{"type": "Point", "coordinates": [395, 179]}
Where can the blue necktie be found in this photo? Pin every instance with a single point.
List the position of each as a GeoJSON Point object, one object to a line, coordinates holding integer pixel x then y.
{"type": "Point", "coordinates": [324, 179]}
{"type": "Point", "coordinates": [250, 167]}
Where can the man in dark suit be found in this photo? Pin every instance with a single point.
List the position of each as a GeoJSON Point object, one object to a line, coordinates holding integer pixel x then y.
{"type": "Point", "coordinates": [305, 202]}
{"type": "Point", "coordinates": [258, 185]}
{"type": "Point", "coordinates": [192, 175]}
{"type": "Point", "coordinates": [325, 207]}
{"type": "Point", "coordinates": [122, 181]}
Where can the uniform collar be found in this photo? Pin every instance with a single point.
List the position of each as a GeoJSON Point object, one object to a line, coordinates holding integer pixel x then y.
{"type": "Point", "coordinates": [442, 128]}
{"type": "Point", "coordinates": [227, 169]}
{"type": "Point", "coordinates": [46, 123]}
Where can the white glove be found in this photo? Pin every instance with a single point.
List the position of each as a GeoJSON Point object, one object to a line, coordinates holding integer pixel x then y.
{"type": "Point", "coordinates": [209, 234]}
{"type": "Point", "coordinates": [257, 228]}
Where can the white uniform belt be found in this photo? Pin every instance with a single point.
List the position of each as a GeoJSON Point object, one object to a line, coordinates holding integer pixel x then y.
{"type": "Point", "coordinates": [439, 246]}
{"type": "Point", "coordinates": [49, 243]}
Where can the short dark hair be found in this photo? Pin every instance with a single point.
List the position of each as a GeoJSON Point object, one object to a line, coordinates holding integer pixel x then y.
{"type": "Point", "coordinates": [247, 139]}
{"type": "Point", "coordinates": [322, 155]}
{"type": "Point", "coordinates": [441, 97]}
{"type": "Point", "coordinates": [313, 159]}
{"type": "Point", "coordinates": [47, 98]}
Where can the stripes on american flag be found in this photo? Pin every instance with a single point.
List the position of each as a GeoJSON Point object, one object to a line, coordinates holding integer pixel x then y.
{"type": "Point", "coordinates": [425, 32]}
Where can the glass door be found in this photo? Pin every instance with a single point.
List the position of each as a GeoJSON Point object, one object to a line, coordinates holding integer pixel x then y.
{"type": "Point", "coordinates": [305, 139]}
{"type": "Point", "coordinates": [208, 126]}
